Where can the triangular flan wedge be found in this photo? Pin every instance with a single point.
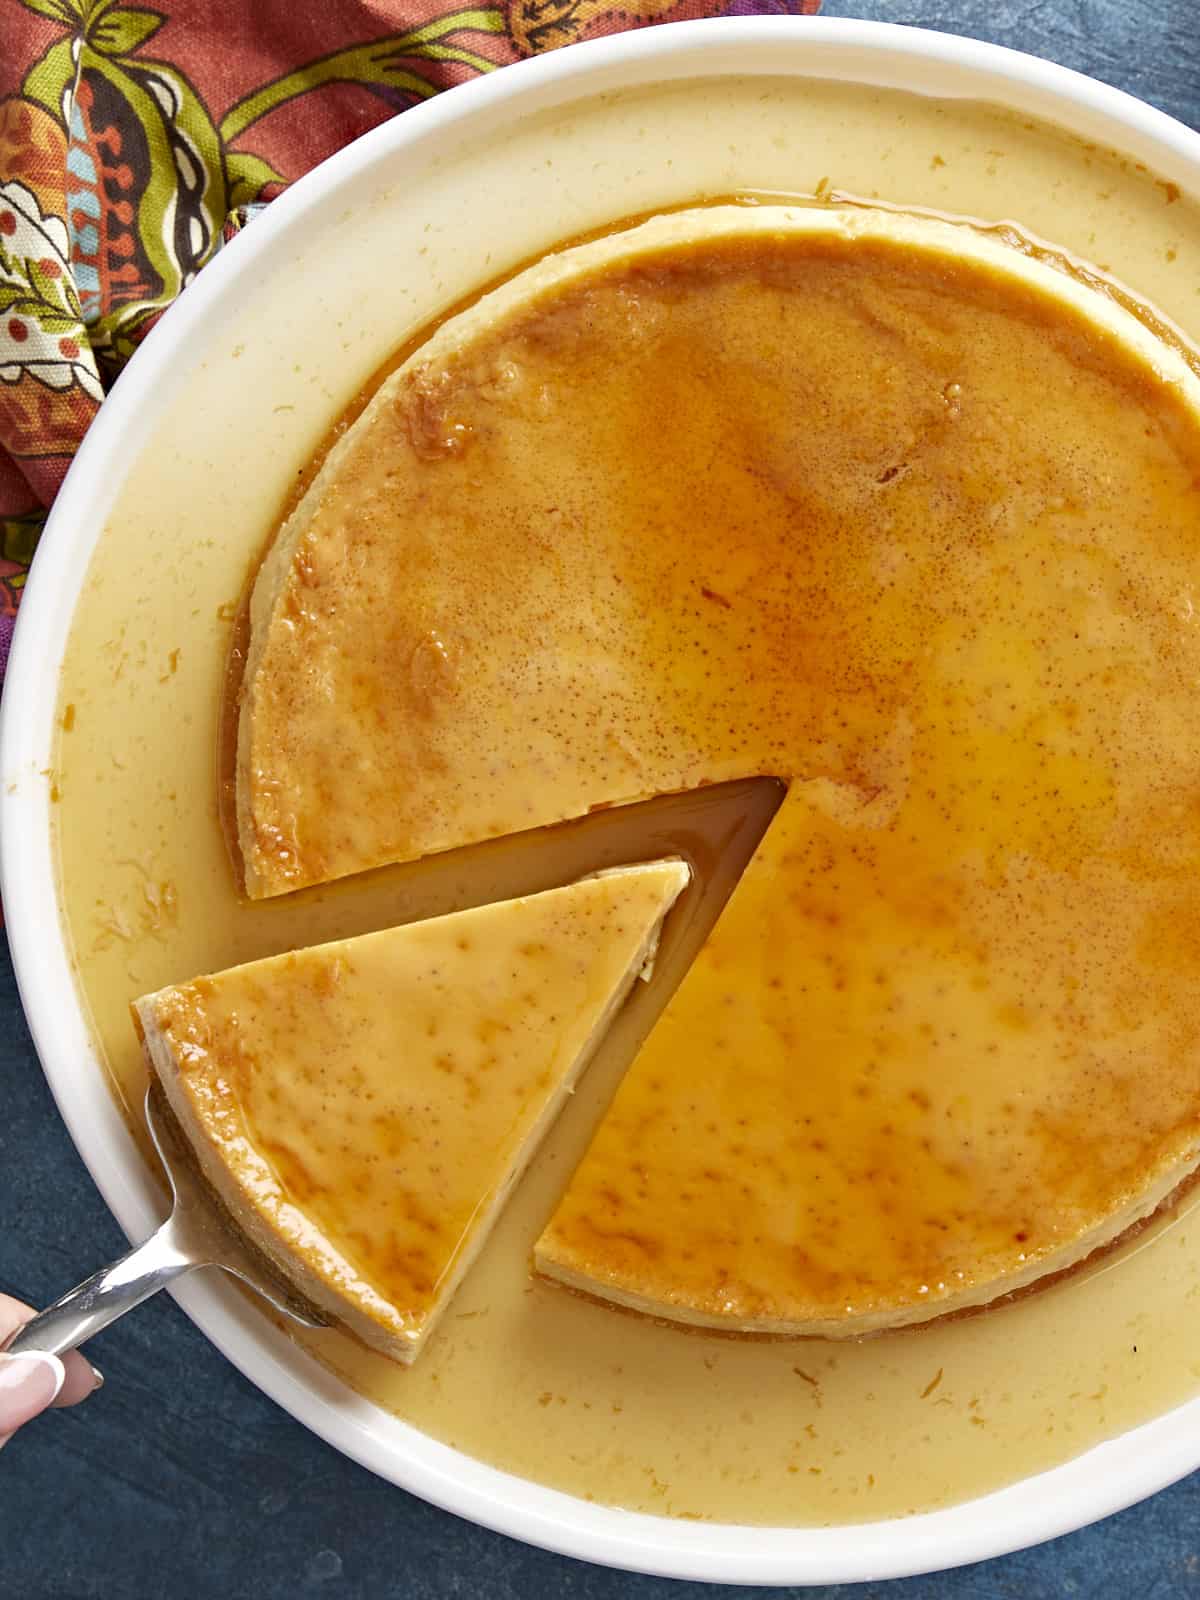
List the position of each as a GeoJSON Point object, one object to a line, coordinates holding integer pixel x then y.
{"type": "Point", "coordinates": [363, 1108]}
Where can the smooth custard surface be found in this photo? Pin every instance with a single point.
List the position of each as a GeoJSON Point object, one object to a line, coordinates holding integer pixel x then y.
{"type": "Point", "coordinates": [364, 1106]}
{"type": "Point", "coordinates": [863, 503]}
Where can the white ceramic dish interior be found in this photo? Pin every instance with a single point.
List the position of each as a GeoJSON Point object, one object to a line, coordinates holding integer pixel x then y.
{"type": "Point", "coordinates": [320, 215]}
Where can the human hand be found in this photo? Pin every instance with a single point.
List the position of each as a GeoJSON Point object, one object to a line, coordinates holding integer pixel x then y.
{"type": "Point", "coordinates": [30, 1383]}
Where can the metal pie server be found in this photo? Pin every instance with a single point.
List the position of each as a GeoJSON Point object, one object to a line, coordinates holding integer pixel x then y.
{"type": "Point", "coordinates": [194, 1235]}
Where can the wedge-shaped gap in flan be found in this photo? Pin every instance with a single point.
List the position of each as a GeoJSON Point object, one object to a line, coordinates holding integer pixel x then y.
{"type": "Point", "coordinates": [363, 1106]}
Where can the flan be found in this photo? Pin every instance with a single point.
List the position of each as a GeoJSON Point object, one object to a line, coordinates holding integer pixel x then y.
{"type": "Point", "coordinates": [363, 1108]}
{"type": "Point", "coordinates": [879, 505]}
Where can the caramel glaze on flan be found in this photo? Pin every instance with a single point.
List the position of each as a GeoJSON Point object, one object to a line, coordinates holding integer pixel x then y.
{"type": "Point", "coordinates": [871, 503]}
{"type": "Point", "coordinates": [363, 1108]}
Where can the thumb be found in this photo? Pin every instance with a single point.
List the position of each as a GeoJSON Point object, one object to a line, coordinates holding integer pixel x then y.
{"type": "Point", "coordinates": [28, 1384]}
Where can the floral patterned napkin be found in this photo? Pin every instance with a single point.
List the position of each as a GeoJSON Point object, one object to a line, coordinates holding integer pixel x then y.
{"type": "Point", "coordinates": [135, 142]}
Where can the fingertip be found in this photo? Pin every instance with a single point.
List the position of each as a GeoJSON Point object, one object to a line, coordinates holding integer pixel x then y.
{"type": "Point", "coordinates": [81, 1380]}
{"type": "Point", "coordinates": [29, 1382]}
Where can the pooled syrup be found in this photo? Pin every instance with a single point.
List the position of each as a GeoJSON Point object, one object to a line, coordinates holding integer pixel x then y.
{"type": "Point", "coordinates": [534, 1381]}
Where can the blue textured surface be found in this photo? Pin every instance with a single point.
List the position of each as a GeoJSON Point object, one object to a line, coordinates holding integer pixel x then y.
{"type": "Point", "coordinates": [182, 1480]}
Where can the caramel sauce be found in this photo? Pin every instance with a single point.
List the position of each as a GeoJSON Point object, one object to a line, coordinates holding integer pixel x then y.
{"type": "Point", "coordinates": [1012, 233]}
{"type": "Point", "coordinates": [777, 503]}
{"type": "Point", "coordinates": [1018, 238]}
{"type": "Point", "coordinates": [227, 733]}
{"type": "Point", "coordinates": [521, 1375]}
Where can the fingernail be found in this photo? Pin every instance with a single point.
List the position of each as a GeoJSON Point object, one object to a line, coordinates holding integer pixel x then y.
{"type": "Point", "coordinates": [99, 1377]}
{"type": "Point", "coordinates": [28, 1384]}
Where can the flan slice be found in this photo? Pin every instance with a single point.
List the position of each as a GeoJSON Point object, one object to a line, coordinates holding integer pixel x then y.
{"type": "Point", "coordinates": [363, 1108]}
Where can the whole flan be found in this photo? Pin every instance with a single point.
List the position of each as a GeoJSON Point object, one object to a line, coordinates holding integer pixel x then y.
{"type": "Point", "coordinates": [363, 1108]}
{"type": "Point", "coordinates": [885, 507]}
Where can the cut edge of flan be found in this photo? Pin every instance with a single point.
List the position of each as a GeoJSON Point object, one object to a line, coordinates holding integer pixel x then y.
{"type": "Point", "coordinates": [554, 1265]}
{"type": "Point", "coordinates": [273, 865]}
{"type": "Point", "coordinates": [253, 1197]}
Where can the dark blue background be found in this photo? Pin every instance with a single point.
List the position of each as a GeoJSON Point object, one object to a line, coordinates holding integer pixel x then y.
{"type": "Point", "coordinates": [179, 1479]}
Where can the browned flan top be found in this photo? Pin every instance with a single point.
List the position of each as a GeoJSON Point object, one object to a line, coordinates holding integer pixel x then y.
{"type": "Point", "coordinates": [871, 504]}
{"type": "Point", "coordinates": [363, 1107]}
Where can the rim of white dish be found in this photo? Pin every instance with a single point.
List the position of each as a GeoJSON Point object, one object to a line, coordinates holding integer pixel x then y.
{"type": "Point", "coordinates": [1095, 1484]}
